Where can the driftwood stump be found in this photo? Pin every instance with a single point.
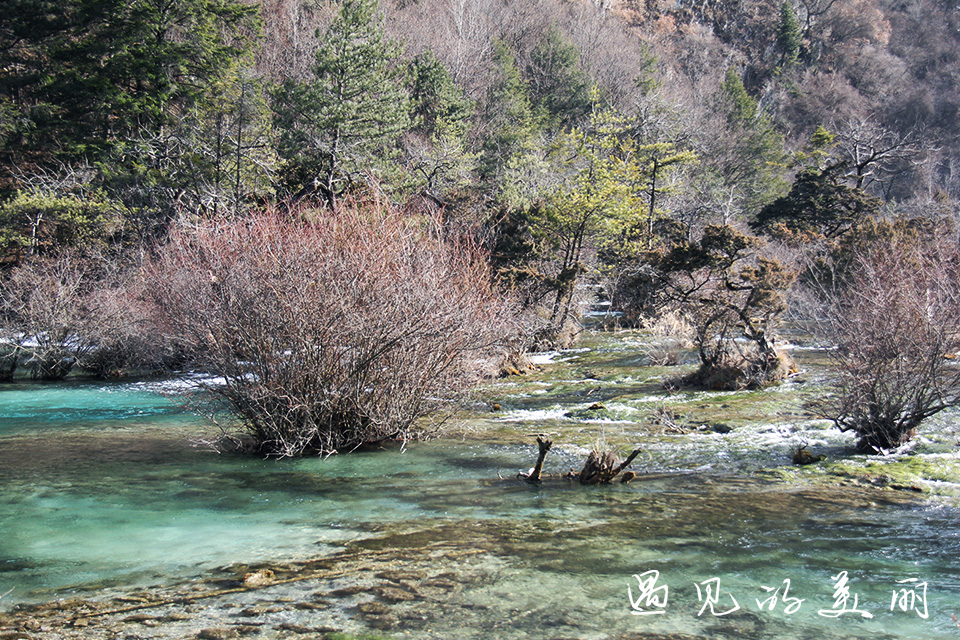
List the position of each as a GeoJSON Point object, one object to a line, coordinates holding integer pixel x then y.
{"type": "Point", "coordinates": [602, 467]}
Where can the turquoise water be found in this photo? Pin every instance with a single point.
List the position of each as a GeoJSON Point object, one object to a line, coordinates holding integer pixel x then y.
{"type": "Point", "coordinates": [103, 487]}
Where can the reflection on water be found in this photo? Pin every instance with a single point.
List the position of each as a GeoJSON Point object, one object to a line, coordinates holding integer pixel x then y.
{"type": "Point", "coordinates": [101, 487]}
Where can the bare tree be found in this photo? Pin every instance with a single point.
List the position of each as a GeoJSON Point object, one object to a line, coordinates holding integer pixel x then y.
{"type": "Point", "coordinates": [331, 329]}
{"type": "Point", "coordinates": [871, 152]}
{"type": "Point", "coordinates": [894, 316]}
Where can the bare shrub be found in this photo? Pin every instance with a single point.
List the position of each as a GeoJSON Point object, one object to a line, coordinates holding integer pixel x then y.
{"type": "Point", "coordinates": [125, 341]}
{"type": "Point", "coordinates": [332, 329]}
{"type": "Point", "coordinates": [47, 313]}
{"type": "Point", "coordinates": [73, 310]}
{"type": "Point", "coordinates": [894, 317]}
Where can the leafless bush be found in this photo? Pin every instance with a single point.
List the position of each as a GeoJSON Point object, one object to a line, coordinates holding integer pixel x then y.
{"type": "Point", "coordinates": [331, 329]}
{"type": "Point", "coordinates": [125, 341]}
{"type": "Point", "coordinates": [44, 311]}
{"type": "Point", "coordinates": [895, 321]}
{"type": "Point", "coordinates": [64, 311]}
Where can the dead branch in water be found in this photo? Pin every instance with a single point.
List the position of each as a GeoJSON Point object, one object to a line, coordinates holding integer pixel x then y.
{"type": "Point", "coordinates": [536, 473]}
{"type": "Point", "coordinates": [603, 467]}
{"type": "Point", "coordinates": [599, 468]}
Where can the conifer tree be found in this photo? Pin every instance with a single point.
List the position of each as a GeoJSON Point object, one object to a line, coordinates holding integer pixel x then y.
{"type": "Point", "coordinates": [558, 87]}
{"type": "Point", "coordinates": [753, 161]}
{"type": "Point", "coordinates": [439, 106]}
{"type": "Point", "coordinates": [345, 122]}
{"type": "Point", "coordinates": [743, 108]}
{"type": "Point", "coordinates": [788, 35]}
{"type": "Point", "coordinates": [512, 122]}
{"type": "Point", "coordinates": [80, 78]}
{"type": "Point", "coordinates": [437, 157]}
{"type": "Point", "coordinates": [234, 143]}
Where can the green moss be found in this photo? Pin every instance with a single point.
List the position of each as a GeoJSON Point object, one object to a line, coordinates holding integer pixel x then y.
{"type": "Point", "coordinates": [604, 391]}
{"type": "Point", "coordinates": [908, 469]}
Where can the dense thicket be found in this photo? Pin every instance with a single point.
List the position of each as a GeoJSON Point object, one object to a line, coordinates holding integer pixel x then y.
{"type": "Point", "coordinates": [331, 329]}
{"type": "Point", "coordinates": [579, 142]}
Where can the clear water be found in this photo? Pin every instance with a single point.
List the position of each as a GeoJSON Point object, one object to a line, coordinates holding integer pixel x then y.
{"type": "Point", "coordinates": [102, 488]}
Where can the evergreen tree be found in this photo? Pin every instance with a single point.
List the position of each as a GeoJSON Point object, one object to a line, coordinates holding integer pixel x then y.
{"type": "Point", "coordinates": [30, 32]}
{"type": "Point", "coordinates": [126, 67]}
{"type": "Point", "coordinates": [743, 108]}
{"type": "Point", "coordinates": [788, 35]}
{"type": "Point", "coordinates": [233, 144]}
{"type": "Point", "coordinates": [346, 120]}
{"type": "Point", "coordinates": [558, 88]}
{"type": "Point", "coordinates": [753, 160]}
{"type": "Point", "coordinates": [818, 206]}
{"type": "Point", "coordinates": [606, 196]}
{"type": "Point", "coordinates": [438, 158]}
{"type": "Point", "coordinates": [439, 106]}
{"type": "Point", "coordinates": [655, 162]}
{"type": "Point", "coordinates": [113, 84]}
{"type": "Point", "coordinates": [510, 114]}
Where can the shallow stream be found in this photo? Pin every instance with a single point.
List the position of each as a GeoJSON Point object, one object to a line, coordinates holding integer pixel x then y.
{"type": "Point", "coordinates": [106, 496]}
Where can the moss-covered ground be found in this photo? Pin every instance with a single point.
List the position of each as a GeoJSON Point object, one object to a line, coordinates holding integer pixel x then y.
{"type": "Point", "coordinates": [608, 392]}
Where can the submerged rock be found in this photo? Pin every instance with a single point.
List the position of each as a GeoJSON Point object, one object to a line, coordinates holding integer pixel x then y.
{"type": "Point", "coordinates": [219, 633]}
{"type": "Point", "coordinates": [719, 427]}
{"type": "Point", "coordinates": [373, 608]}
{"type": "Point", "coordinates": [399, 575]}
{"type": "Point", "coordinates": [140, 617]}
{"type": "Point", "coordinates": [260, 578]}
{"type": "Point", "coordinates": [393, 594]}
{"type": "Point", "coordinates": [383, 623]}
{"type": "Point", "coordinates": [302, 630]}
{"type": "Point", "coordinates": [248, 630]}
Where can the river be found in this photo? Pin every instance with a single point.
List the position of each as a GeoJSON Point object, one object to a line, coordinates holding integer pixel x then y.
{"type": "Point", "coordinates": [108, 496]}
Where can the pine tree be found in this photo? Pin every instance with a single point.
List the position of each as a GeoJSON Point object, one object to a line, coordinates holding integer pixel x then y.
{"type": "Point", "coordinates": [512, 122]}
{"type": "Point", "coordinates": [788, 35]}
{"type": "Point", "coordinates": [439, 106]}
{"type": "Point", "coordinates": [558, 87]}
{"type": "Point", "coordinates": [438, 158]}
{"type": "Point", "coordinates": [346, 121]}
{"type": "Point", "coordinates": [129, 67]}
{"type": "Point", "coordinates": [743, 108]}
{"type": "Point", "coordinates": [753, 161]}
{"type": "Point", "coordinates": [234, 143]}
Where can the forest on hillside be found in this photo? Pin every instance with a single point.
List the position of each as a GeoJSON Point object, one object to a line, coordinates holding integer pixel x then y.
{"type": "Point", "coordinates": [347, 203]}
